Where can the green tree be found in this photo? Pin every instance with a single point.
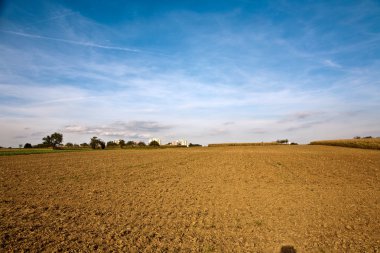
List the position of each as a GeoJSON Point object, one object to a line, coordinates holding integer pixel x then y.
{"type": "Point", "coordinates": [141, 144]}
{"type": "Point", "coordinates": [69, 145]}
{"type": "Point", "coordinates": [96, 143]}
{"type": "Point", "coordinates": [84, 145]}
{"type": "Point", "coordinates": [53, 140]}
{"type": "Point", "coordinates": [195, 145]}
{"type": "Point", "coordinates": [154, 144]}
{"type": "Point", "coordinates": [285, 141]}
{"type": "Point", "coordinates": [111, 144]}
{"type": "Point", "coordinates": [130, 143]}
{"type": "Point", "coordinates": [47, 140]}
{"type": "Point", "coordinates": [122, 143]}
{"type": "Point", "coordinates": [28, 145]}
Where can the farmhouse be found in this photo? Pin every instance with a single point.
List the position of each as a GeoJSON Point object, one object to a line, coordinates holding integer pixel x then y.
{"type": "Point", "coordinates": [180, 143]}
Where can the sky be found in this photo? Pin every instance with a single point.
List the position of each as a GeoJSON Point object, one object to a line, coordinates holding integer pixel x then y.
{"type": "Point", "coordinates": [205, 71]}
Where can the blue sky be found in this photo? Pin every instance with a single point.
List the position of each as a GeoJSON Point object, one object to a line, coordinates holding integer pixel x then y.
{"type": "Point", "coordinates": [205, 71]}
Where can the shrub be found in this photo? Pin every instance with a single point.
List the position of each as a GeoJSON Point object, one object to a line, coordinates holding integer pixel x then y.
{"type": "Point", "coordinates": [111, 144]}
{"type": "Point", "coordinates": [195, 145]}
{"type": "Point", "coordinates": [154, 144]}
{"type": "Point", "coordinates": [69, 145]}
{"type": "Point", "coordinates": [141, 144]}
{"type": "Point", "coordinates": [28, 145]}
{"type": "Point", "coordinates": [41, 145]}
{"type": "Point", "coordinates": [130, 144]}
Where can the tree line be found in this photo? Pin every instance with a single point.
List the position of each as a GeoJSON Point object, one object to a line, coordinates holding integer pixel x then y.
{"type": "Point", "coordinates": [55, 141]}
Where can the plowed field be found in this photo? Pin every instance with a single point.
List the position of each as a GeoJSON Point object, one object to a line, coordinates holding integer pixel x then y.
{"type": "Point", "coordinates": [228, 199]}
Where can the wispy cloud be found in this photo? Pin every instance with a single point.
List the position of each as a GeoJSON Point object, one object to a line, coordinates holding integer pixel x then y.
{"type": "Point", "coordinates": [330, 63]}
{"type": "Point", "coordinates": [52, 18]}
{"type": "Point", "coordinates": [79, 43]}
{"type": "Point", "coordinates": [302, 116]}
{"type": "Point", "coordinates": [309, 124]}
{"type": "Point", "coordinates": [120, 129]}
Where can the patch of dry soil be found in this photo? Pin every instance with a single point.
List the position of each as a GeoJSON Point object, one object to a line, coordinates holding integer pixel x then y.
{"type": "Point", "coordinates": [229, 199]}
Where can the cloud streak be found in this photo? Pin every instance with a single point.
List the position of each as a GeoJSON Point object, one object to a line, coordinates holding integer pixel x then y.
{"type": "Point", "coordinates": [133, 129]}
{"type": "Point", "coordinates": [73, 42]}
{"type": "Point", "coordinates": [330, 63]}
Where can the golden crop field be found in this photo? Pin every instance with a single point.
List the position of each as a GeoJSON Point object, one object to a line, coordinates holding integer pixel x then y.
{"type": "Point", "coordinates": [221, 199]}
{"type": "Point", "coordinates": [243, 144]}
{"type": "Point", "coordinates": [370, 143]}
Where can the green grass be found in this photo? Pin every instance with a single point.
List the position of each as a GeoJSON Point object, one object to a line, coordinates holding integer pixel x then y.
{"type": "Point", "coordinates": [370, 143]}
{"type": "Point", "coordinates": [31, 151]}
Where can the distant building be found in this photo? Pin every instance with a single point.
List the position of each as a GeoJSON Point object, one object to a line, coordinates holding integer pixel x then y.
{"type": "Point", "coordinates": [154, 139]}
{"type": "Point", "coordinates": [180, 143]}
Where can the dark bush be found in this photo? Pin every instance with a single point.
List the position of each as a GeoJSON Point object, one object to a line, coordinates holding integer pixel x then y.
{"type": "Point", "coordinates": [69, 145]}
{"type": "Point", "coordinates": [28, 145]}
{"type": "Point", "coordinates": [112, 144]}
{"type": "Point", "coordinates": [285, 141]}
{"type": "Point", "coordinates": [154, 144]}
{"type": "Point", "coordinates": [195, 145]}
{"type": "Point", "coordinates": [41, 145]}
{"type": "Point", "coordinates": [141, 144]}
{"type": "Point", "coordinates": [130, 144]}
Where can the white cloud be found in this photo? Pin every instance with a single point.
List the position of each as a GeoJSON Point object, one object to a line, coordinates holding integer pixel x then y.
{"type": "Point", "coordinates": [330, 63]}
{"type": "Point", "coordinates": [137, 130]}
{"type": "Point", "coordinates": [79, 43]}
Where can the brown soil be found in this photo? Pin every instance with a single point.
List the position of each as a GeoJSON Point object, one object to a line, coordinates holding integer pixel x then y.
{"type": "Point", "coordinates": [228, 199]}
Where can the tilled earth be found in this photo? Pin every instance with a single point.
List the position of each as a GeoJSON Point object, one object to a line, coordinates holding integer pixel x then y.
{"type": "Point", "coordinates": [225, 199]}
